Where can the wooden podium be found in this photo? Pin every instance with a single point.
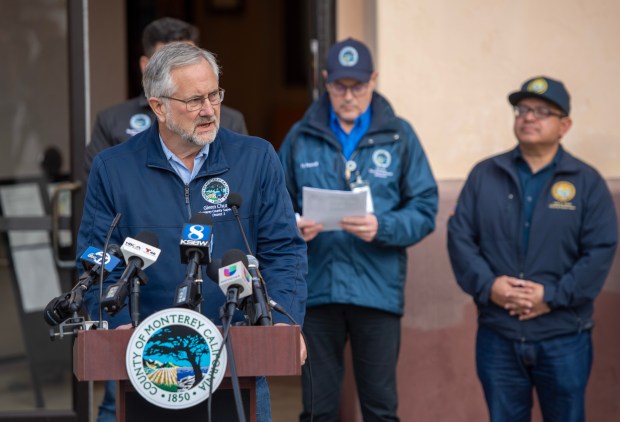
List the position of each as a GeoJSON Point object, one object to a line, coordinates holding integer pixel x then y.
{"type": "Point", "coordinates": [258, 351]}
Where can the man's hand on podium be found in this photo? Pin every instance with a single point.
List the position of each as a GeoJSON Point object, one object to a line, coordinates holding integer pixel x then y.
{"type": "Point", "coordinates": [303, 352]}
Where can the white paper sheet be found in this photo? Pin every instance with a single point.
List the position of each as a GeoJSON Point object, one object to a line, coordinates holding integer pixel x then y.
{"type": "Point", "coordinates": [328, 207]}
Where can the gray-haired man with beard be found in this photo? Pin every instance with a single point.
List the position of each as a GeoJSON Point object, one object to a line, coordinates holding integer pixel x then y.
{"type": "Point", "coordinates": [186, 164]}
{"type": "Point", "coordinates": [119, 122]}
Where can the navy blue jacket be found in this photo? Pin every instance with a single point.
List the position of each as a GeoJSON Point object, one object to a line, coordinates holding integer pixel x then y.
{"type": "Point", "coordinates": [572, 242]}
{"type": "Point", "coordinates": [136, 180]}
{"type": "Point", "coordinates": [343, 268]}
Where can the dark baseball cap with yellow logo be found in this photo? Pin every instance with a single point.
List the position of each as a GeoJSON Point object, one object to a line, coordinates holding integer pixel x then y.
{"type": "Point", "coordinates": [546, 89]}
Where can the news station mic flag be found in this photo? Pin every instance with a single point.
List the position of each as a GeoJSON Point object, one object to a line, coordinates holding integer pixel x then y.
{"type": "Point", "coordinates": [65, 306]}
{"type": "Point", "coordinates": [139, 254]}
{"type": "Point", "coordinates": [195, 246]}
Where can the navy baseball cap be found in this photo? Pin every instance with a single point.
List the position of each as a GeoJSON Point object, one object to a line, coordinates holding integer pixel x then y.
{"type": "Point", "coordinates": [349, 59]}
{"type": "Point", "coordinates": [546, 89]}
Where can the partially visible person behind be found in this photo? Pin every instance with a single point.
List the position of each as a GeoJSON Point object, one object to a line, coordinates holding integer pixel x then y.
{"type": "Point", "coordinates": [351, 138]}
{"type": "Point", "coordinates": [186, 164]}
{"type": "Point", "coordinates": [532, 239]}
{"type": "Point", "coordinates": [118, 123]}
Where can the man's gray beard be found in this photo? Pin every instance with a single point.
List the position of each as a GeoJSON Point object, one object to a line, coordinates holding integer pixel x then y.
{"type": "Point", "coordinates": [189, 137]}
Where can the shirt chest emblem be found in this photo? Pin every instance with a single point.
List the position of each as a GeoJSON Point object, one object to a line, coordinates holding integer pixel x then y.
{"type": "Point", "coordinates": [563, 192]}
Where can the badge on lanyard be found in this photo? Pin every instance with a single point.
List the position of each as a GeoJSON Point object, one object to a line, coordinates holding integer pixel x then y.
{"type": "Point", "coordinates": [350, 167]}
{"type": "Point", "coordinates": [360, 185]}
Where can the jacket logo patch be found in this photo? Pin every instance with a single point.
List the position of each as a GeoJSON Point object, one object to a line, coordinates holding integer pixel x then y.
{"type": "Point", "coordinates": [138, 123]}
{"type": "Point", "coordinates": [382, 159]}
{"type": "Point", "coordinates": [215, 191]}
{"type": "Point", "coordinates": [563, 192]}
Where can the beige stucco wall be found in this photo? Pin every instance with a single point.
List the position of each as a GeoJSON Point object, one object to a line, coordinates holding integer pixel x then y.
{"type": "Point", "coordinates": [447, 66]}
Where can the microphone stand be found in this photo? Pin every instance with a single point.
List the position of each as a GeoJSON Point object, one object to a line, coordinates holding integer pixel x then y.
{"type": "Point", "coordinates": [134, 296]}
{"type": "Point", "coordinates": [257, 306]}
{"type": "Point", "coordinates": [75, 322]}
{"type": "Point", "coordinates": [193, 273]}
{"type": "Point", "coordinates": [261, 314]}
{"type": "Point", "coordinates": [104, 324]}
{"type": "Point", "coordinates": [226, 315]}
{"type": "Point", "coordinates": [198, 284]}
{"type": "Point", "coordinates": [235, 210]}
{"type": "Point", "coordinates": [74, 301]}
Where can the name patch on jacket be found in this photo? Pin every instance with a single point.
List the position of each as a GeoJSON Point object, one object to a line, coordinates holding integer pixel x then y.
{"type": "Point", "coordinates": [309, 165]}
{"type": "Point", "coordinates": [563, 192]}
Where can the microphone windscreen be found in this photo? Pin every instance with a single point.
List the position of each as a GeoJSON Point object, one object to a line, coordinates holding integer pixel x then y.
{"type": "Point", "coordinates": [201, 219]}
{"type": "Point", "coordinates": [252, 260]}
{"type": "Point", "coordinates": [213, 269]}
{"type": "Point", "coordinates": [234, 200]}
{"type": "Point", "coordinates": [234, 255]}
{"type": "Point", "coordinates": [149, 238]}
{"type": "Point", "coordinates": [58, 310]}
{"type": "Point", "coordinates": [115, 250]}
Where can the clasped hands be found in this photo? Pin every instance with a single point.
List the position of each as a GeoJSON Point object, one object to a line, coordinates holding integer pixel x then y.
{"type": "Point", "coordinates": [521, 298]}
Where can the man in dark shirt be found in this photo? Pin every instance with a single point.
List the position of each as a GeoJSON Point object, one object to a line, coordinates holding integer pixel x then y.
{"type": "Point", "coordinates": [532, 239]}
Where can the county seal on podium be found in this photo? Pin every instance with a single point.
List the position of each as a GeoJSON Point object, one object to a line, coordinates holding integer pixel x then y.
{"type": "Point", "coordinates": [176, 358]}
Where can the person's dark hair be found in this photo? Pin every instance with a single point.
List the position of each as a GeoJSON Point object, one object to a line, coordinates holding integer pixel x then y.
{"type": "Point", "coordinates": [167, 30]}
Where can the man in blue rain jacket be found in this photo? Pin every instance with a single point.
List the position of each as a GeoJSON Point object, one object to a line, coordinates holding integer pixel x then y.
{"type": "Point", "coordinates": [351, 139]}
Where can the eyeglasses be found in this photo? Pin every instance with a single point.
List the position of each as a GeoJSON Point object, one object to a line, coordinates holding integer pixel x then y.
{"type": "Point", "coordinates": [340, 90]}
{"type": "Point", "coordinates": [539, 112]}
{"type": "Point", "coordinates": [196, 103]}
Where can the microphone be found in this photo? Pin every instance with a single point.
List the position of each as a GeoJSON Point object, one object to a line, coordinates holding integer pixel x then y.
{"type": "Point", "coordinates": [235, 281]}
{"type": "Point", "coordinates": [234, 203]}
{"type": "Point", "coordinates": [260, 313]}
{"type": "Point", "coordinates": [139, 253]}
{"type": "Point", "coordinates": [233, 277]}
{"type": "Point", "coordinates": [101, 323]}
{"type": "Point", "coordinates": [197, 240]}
{"type": "Point", "coordinates": [65, 306]}
{"type": "Point", "coordinates": [196, 246]}
{"type": "Point", "coordinates": [257, 310]}
{"type": "Point", "coordinates": [213, 269]}
{"type": "Point", "coordinates": [91, 262]}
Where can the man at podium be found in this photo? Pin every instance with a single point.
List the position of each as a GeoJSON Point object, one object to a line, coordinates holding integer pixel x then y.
{"type": "Point", "coordinates": [186, 165]}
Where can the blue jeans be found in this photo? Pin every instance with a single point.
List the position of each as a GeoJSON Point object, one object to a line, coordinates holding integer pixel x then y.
{"type": "Point", "coordinates": [263, 400]}
{"type": "Point", "coordinates": [557, 368]}
{"type": "Point", "coordinates": [107, 409]}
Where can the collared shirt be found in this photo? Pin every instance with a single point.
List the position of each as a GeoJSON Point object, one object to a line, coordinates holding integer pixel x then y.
{"type": "Point", "coordinates": [531, 186]}
{"type": "Point", "coordinates": [349, 141]}
{"type": "Point", "coordinates": [180, 168]}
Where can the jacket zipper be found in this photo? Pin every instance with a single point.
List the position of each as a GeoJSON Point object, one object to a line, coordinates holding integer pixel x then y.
{"type": "Point", "coordinates": [189, 208]}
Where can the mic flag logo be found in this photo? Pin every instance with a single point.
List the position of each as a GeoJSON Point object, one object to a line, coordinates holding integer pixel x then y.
{"type": "Point", "coordinates": [92, 256]}
{"type": "Point", "coordinates": [230, 270]}
{"type": "Point", "coordinates": [175, 357]}
{"type": "Point", "coordinates": [196, 235]}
